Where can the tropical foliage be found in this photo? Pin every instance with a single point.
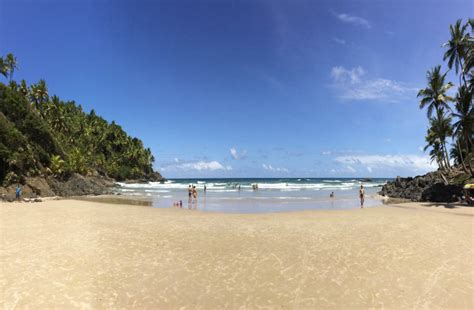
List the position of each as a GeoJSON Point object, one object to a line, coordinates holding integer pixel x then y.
{"type": "Point", "coordinates": [41, 134]}
{"type": "Point", "coordinates": [452, 117]}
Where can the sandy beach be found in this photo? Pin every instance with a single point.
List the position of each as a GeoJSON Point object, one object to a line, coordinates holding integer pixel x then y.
{"type": "Point", "coordinates": [79, 254]}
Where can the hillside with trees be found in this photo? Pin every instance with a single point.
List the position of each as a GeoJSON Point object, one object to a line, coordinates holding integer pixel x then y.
{"type": "Point", "coordinates": [42, 135]}
{"type": "Point", "coordinates": [449, 137]}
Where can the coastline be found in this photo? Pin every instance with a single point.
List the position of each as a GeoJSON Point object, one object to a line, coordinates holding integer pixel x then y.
{"type": "Point", "coordinates": [75, 253]}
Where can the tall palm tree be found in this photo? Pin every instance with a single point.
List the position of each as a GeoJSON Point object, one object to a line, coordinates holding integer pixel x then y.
{"type": "Point", "coordinates": [3, 67]}
{"type": "Point", "coordinates": [464, 126]}
{"type": "Point", "coordinates": [436, 153]}
{"type": "Point", "coordinates": [441, 129]}
{"type": "Point", "coordinates": [39, 95]}
{"type": "Point", "coordinates": [10, 61]}
{"type": "Point", "coordinates": [464, 112]}
{"type": "Point", "coordinates": [434, 96]}
{"type": "Point", "coordinates": [23, 88]}
{"type": "Point", "coordinates": [457, 47]}
{"type": "Point", "coordinates": [468, 69]}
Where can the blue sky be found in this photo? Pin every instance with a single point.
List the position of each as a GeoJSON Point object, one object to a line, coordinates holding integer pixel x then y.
{"type": "Point", "coordinates": [245, 88]}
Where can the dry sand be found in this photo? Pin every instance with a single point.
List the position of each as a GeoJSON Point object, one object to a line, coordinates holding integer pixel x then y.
{"type": "Point", "coordinates": [65, 254]}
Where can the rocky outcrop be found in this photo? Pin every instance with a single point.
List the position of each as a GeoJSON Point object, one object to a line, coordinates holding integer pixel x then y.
{"type": "Point", "coordinates": [78, 185]}
{"type": "Point", "coordinates": [75, 185]}
{"type": "Point", "coordinates": [434, 186]}
{"type": "Point", "coordinates": [39, 186]}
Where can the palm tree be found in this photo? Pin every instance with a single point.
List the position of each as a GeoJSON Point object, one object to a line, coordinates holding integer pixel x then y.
{"type": "Point", "coordinates": [55, 114]}
{"type": "Point", "coordinates": [39, 95]}
{"type": "Point", "coordinates": [457, 47]}
{"type": "Point", "coordinates": [3, 67]}
{"type": "Point", "coordinates": [11, 64]}
{"type": "Point", "coordinates": [440, 130]}
{"type": "Point", "coordinates": [464, 112]}
{"type": "Point", "coordinates": [13, 85]}
{"type": "Point", "coordinates": [468, 69]}
{"type": "Point", "coordinates": [23, 88]}
{"type": "Point", "coordinates": [434, 96]}
{"type": "Point", "coordinates": [464, 126]}
{"type": "Point", "coordinates": [436, 153]}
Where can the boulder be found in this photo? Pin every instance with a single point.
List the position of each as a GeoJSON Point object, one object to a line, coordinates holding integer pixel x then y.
{"type": "Point", "coordinates": [78, 185]}
{"type": "Point", "coordinates": [429, 187]}
{"type": "Point", "coordinates": [39, 186]}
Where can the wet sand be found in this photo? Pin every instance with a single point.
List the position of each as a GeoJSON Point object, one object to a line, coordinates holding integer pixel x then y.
{"type": "Point", "coordinates": [80, 254]}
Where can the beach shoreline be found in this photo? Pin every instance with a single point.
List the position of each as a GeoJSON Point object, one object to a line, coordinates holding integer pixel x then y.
{"type": "Point", "coordinates": [74, 253]}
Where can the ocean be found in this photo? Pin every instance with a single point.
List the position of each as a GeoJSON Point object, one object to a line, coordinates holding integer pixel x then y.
{"type": "Point", "coordinates": [273, 194]}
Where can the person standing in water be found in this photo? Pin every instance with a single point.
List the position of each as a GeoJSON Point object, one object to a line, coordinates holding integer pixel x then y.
{"type": "Point", "coordinates": [195, 194]}
{"type": "Point", "coordinates": [190, 191]}
{"type": "Point", "coordinates": [361, 195]}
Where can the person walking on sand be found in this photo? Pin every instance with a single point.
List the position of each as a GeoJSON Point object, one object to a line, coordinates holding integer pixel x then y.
{"type": "Point", "coordinates": [361, 195]}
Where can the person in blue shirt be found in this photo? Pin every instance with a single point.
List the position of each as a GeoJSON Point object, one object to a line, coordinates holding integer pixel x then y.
{"type": "Point", "coordinates": [18, 192]}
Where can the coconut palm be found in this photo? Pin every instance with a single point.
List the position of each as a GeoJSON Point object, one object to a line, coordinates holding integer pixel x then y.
{"type": "Point", "coordinates": [10, 62]}
{"type": "Point", "coordinates": [3, 67]}
{"type": "Point", "coordinates": [457, 47]}
{"type": "Point", "coordinates": [468, 69]}
{"type": "Point", "coordinates": [464, 126]}
{"type": "Point", "coordinates": [464, 112]}
{"type": "Point", "coordinates": [23, 88]}
{"type": "Point", "coordinates": [436, 153]}
{"type": "Point", "coordinates": [39, 95]}
{"type": "Point", "coordinates": [440, 130]}
{"type": "Point", "coordinates": [434, 96]}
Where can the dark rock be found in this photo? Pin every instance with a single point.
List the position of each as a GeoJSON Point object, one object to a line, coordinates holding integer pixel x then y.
{"type": "Point", "coordinates": [442, 193]}
{"type": "Point", "coordinates": [78, 185]}
{"type": "Point", "coordinates": [39, 186]}
{"type": "Point", "coordinates": [429, 187]}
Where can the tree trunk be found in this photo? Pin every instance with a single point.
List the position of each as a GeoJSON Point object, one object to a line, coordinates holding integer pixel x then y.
{"type": "Point", "coordinates": [446, 156]}
{"type": "Point", "coordinates": [461, 157]}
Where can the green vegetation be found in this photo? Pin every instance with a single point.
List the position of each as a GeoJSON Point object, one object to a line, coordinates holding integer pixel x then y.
{"type": "Point", "coordinates": [43, 135]}
{"type": "Point", "coordinates": [458, 108]}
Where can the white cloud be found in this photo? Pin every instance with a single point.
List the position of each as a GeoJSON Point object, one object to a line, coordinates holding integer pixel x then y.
{"type": "Point", "coordinates": [198, 166]}
{"type": "Point", "coordinates": [340, 41]}
{"type": "Point", "coordinates": [350, 169]}
{"type": "Point", "coordinates": [326, 153]}
{"type": "Point", "coordinates": [274, 169]}
{"type": "Point", "coordinates": [352, 84]}
{"type": "Point", "coordinates": [235, 155]}
{"type": "Point", "coordinates": [354, 20]}
{"type": "Point", "coordinates": [369, 169]}
{"type": "Point", "coordinates": [343, 75]}
{"type": "Point", "coordinates": [389, 162]}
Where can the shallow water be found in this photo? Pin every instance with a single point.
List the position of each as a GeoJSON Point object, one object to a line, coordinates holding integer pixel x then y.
{"type": "Point", "coordinates": [273, 195]}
